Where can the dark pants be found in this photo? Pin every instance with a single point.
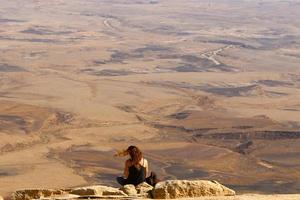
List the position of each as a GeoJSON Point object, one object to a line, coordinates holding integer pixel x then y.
{"type": "Point", "coordinates": [121, 180]}
{"type": "Point", "coordinates": [151, 180]}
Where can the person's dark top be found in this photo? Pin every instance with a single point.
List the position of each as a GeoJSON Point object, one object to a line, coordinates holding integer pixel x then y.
{"type": "Point", "coordinates": [137, 174]}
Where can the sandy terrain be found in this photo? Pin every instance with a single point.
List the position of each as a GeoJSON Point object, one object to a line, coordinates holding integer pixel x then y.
{"type": "Point", "coordinates": [207, 89]}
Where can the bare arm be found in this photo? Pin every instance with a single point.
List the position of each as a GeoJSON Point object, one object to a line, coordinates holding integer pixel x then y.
{"type": "Point", "coordinates": [126, 168]}
{"type": "Point", "coordinates": [146, 167]}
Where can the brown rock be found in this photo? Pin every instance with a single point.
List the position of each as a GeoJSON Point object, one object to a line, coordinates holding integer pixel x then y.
{"type": "Point", "coordinates": [129, 190]}
{"type": "Point", "coordinates": [97, 190]}
{"type": "Point", "coordinates": [189, 189]}
{"type": "Point", "coordinates": [144, 190]}
{"type": "Point", "coordinates": [63, 197]}
{"type": "Point", "coordinates": [35, 194]}
{"type": "Point", "coordinates": [141, 190]}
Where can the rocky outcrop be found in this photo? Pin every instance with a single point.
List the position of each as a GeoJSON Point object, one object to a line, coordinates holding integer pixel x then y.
{"type": "Point", "coordinates": [163, 190]}
{"type": "Point", "coordinates": [91, 191]}
{"type": "Point", "coordinates": [129, 190]}
{"type": "Point", "coordinates": [141, 190]}
{"type": "Point", "coordinates": [144, 189]}
{"type": "Point", "coordinates": [36, 194]}
{"type": "Point", "coordinates": [97, 190]}
{"type": "Point", "coordinates": [189, 189]}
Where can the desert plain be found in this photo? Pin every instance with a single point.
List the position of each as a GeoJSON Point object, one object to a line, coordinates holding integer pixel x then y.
{"type": "Point", "coordinates": [208, 89]}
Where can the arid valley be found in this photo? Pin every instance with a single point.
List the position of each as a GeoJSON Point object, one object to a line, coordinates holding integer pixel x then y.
{"type": "Point", "coordinates": [208, 89]}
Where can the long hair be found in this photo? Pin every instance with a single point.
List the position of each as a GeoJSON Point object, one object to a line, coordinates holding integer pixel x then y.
{"type": "Point", "coordinates": [135, 154]}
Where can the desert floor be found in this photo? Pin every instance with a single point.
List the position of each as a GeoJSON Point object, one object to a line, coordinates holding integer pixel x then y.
{"type": "Point", "coordinates": [207, 90]}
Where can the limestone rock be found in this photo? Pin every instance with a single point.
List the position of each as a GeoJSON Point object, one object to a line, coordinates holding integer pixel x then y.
{"type": "Point", "coordinates": [63, 197]}
{"type": "Point", "coordinates": [141, 190]}
{"type": "Point", "coordinates": [97, 190]}
{"type": "Point", "coordinates": [35, 194]}
{"type": "Point", "coordinates": [188, 189]}
{"type": "Point", "coordinates": [144, 190]}
{"type": "Point", "coordinates": [129, 190]}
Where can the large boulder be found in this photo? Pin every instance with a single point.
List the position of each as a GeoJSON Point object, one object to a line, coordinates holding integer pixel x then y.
{"type": "Point", "coordinates": [35, 194]}
{"type": "Point", "coordinates": [97, 190]}
{"type": "Point", "coordinates": [129, 190]}
{"type": "Point", "coordinates": [144, 190]}
{"type": "Point", "coordinates": [141, 190]}
{"type": "Point", "coordinates": [188, 189]}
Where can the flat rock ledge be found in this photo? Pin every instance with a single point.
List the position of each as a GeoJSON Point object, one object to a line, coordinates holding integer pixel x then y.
{"type": "Point", "coordinates": [175, 189]}
{"type": "Point", "coordinates": [172, 189]}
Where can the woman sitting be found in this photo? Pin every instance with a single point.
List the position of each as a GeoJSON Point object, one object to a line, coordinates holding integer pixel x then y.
{"type": "Point", "coordinates": [136, 167]}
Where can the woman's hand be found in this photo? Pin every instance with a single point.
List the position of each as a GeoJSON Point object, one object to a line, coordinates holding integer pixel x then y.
{"type": "Point", "coordinates": [121, 153]}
